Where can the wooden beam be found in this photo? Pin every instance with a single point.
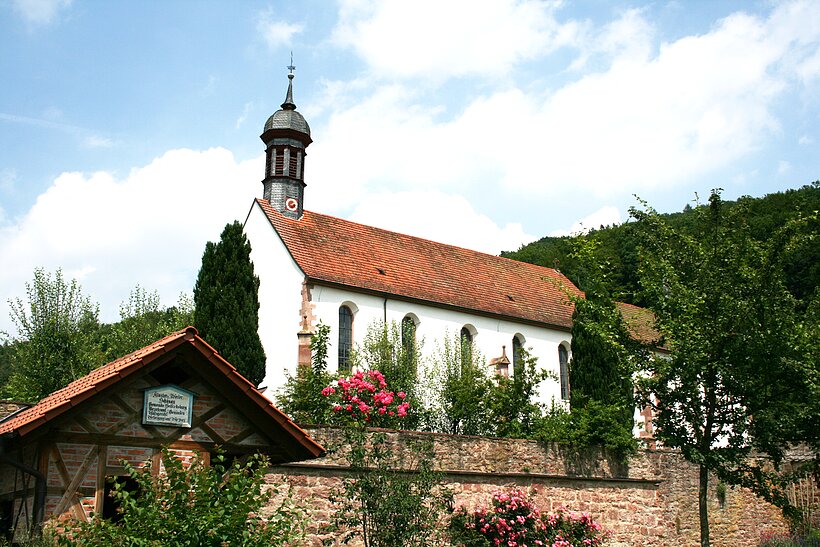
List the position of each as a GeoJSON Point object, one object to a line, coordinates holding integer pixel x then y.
{"type": "Point", "coordinates": [143, 442]}
{"type": "Point", "coordinates": [70, 498]}
{"type": "Point", "coordinates": [102, 474]}
{"type": "Point", "coordinates": [199, 421]}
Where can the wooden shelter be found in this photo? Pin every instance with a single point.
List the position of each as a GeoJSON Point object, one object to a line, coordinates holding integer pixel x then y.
{"type": "Point", "coordinates": [56, 457]}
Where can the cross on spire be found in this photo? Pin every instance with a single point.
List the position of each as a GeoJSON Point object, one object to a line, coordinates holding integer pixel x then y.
{"type": "Point", "coordinates": [291, 67]}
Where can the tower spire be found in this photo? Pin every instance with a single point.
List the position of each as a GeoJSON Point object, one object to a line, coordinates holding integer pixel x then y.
{"type": "Point", "coordinates": [289, 104]}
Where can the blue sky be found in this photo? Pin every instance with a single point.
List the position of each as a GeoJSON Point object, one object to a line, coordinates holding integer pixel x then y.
{"type": "Point", "coordinates": [129, 131]}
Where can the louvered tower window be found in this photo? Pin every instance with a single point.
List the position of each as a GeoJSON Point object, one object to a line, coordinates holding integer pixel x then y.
{"type": "Point", "coordinates": [280, 165]}
{"type": "Point", "coordinates": [292, 167]}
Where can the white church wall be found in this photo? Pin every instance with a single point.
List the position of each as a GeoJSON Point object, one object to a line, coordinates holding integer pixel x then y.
{"type": "Point", "coordinates": [435, 323]}
{"type": "Point", "coordinates": [280, 299]}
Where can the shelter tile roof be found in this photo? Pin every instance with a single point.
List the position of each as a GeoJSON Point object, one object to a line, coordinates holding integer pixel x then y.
{"type": "Point", "coordinates": [334, 251]}
{"type": "Point", "coordinates": [96, 381]}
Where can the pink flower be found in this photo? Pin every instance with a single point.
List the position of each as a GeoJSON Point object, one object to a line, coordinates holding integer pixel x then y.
{"type": "Point", "coordinates": [328, 391]}
{"type": "Point", "coordinates": [402, 395]}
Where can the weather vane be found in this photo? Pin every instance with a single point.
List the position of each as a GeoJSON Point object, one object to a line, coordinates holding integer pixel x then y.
{"type": "Point", "coordinates": [290, 67]}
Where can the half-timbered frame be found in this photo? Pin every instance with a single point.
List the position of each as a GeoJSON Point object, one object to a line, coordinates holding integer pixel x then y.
{"type": "Point", "coordinates": [57, 456]}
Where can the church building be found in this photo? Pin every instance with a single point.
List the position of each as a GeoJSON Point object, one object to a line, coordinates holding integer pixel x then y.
{"type": "Point", "coordinates": [318, 268]}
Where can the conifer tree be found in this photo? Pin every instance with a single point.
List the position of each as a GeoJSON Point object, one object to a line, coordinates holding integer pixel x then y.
{"type": "Point", "coordinates": [604, 357]}
{"type": "Point", "coordinates": [600, 356]}
{"type": "Point", "coordinates": [226, 300]}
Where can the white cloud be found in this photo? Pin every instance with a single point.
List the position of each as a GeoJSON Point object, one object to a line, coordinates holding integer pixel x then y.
{"type": "Point", "coordinates": [805, 140]}
{"type": "Point", "coordinates": [244, 116]}
{"type": "Point", "coordinates": [629, 38]}
{"type": "Point", "coordinates": [439, 217]}
{"type": "Point", "coordinates": [276, 33]}
{"type": "Point", "coordinates": [40, 12]}
{"type": "Point", "coordinates": [95, 141]}
{"type": "Point", "coordinates": [657, 115]}
{"type": "Point", "coordinates": [430, 38]}
{"type": "Point", "coordinates": [783, 167]}
{"type": "Point", "coordinates": [149, 227]}
{"type": "Point", "coordinates": [604, 216]}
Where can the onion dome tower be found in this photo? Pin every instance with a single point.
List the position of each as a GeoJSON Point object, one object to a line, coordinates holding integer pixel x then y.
{"type": "Point", "coordinates": [286, 135]}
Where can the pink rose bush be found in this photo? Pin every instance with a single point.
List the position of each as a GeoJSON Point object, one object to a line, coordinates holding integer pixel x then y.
{"type": "Point", "coordinates": [365, 397]}
{"type": "Point", "coordinates": [515, 521]}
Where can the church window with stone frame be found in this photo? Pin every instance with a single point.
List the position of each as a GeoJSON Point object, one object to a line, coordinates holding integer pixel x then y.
{"type": "Point", "coordinates": [517, 359]}
{"type": "Point", "coordinates": [345, 338]}
{"type": "Point", "coordinates": [408, 335]}
{"type": "Point", "coordinates": [563, 367]}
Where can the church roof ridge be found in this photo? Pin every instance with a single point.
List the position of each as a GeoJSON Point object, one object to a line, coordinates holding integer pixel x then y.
{"type": "Point", "coordinates": [338, 251]}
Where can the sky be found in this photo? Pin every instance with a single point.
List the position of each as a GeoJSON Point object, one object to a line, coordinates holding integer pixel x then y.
{"type": "Point", "coordinates": [129, 131]}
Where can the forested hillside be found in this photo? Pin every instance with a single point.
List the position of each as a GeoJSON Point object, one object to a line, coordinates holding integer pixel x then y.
{"type": "Point", "coordinates": [618, 253]}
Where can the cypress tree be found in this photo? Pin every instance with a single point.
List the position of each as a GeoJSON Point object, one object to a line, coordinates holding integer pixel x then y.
{"type": "Point", "coordinates": [226, 300]}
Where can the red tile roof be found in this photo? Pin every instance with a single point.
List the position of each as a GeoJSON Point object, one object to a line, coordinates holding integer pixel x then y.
{"type": "Point", "coordinates": [59, 402]}
{"type": "Point", "coordinates": [335, 251]}
{"type": "Point", "coordinates": [640, 322]}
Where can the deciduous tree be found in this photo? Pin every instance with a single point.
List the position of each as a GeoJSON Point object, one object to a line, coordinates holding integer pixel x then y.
{"type": "Point", "coordinates": [142, 321]}
{"type": "Point", "coordinates": [56, 340]}
{"type": "Point", "coordinates": [741, 371]}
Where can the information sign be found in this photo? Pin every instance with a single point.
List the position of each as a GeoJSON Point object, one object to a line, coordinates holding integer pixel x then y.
{"type": "Point", "coordinates": [168, 405]}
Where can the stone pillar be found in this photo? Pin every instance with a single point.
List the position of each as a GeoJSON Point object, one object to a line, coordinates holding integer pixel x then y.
{"type": "Point", "coordinates": [305, 355]}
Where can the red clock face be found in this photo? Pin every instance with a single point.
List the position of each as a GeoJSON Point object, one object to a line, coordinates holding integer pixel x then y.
{"type": "Point", "coordinates": [291, 204]}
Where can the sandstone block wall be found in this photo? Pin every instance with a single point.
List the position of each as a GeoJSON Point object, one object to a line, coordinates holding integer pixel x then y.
{"type": "Point", "coordinates": [651, 500]}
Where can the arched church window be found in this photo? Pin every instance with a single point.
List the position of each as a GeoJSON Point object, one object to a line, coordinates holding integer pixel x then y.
{"type": "Point", "coordinates": [563, 366]}
{"type": "Point", "coordinates": [345, 338]}
{"type": "Point", "coordinates": [408, 335]}
{"type": "Point", "coordinates": [517, 358]}
{"type": "Point", "coordinates": [466, 339]}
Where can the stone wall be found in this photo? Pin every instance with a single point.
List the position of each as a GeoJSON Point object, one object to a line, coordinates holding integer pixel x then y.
{"type": "Point", "coordinates": [651, 500]}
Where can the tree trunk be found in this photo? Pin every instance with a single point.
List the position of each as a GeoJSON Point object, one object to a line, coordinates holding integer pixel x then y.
{"type": "Point", "coordinates": [703, 510]}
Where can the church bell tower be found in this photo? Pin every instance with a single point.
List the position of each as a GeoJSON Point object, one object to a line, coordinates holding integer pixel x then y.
{"type": "Point", "coordinates": [286, 136]}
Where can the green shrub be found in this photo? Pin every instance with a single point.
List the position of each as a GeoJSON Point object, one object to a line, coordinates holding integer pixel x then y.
{"type": "Point", "coordinates": [301, 398]}
{"type": "Point", "coordinates": [597, 424]}
{"type": "Point", "coordinates": [217, 505]}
